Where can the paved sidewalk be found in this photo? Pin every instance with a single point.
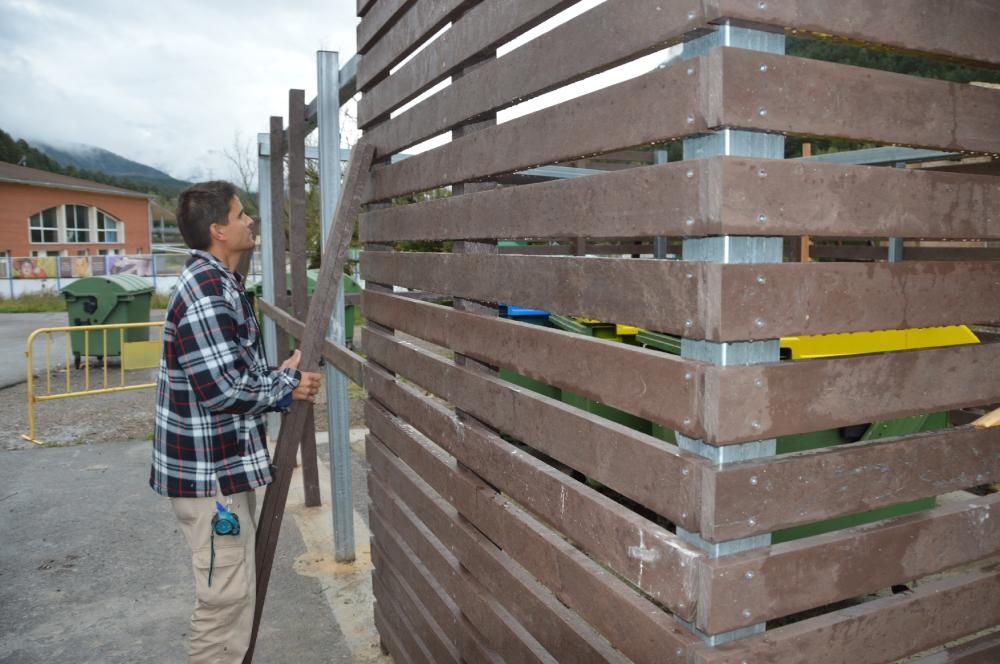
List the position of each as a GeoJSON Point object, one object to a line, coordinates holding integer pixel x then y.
{"type": "Point", "coordinates": [93, 569]}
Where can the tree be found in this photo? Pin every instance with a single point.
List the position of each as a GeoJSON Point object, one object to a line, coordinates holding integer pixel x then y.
{"type": "Point", "coordinates": [242, 157]}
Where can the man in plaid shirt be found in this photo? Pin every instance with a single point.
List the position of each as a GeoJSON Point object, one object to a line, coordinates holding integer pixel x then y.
{"type": "Point", "coordinates": [213, 389]}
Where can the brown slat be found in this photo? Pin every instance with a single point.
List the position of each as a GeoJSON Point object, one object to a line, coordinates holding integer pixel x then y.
{"type": "Point", "coordinates": [868, 253]}
{"type": "Point", "coordinates": [811, 395]}
{"type": "Point", "coordinates": [876, 632]}
{"type": "Point", "coordinates": [798, 95]}
{"type": "Point", "coordinates": [389, 639]}
{"type": "Point", "coordinates": [484, 27]}
{"type": "Point", "coordinates": [400, 625]}
{"type": "Point", "coordinates": [910, 25]}
{"type": "Point", "coordinates": [629, 28]}
{"type": "Point", "coordinates": [510, 639]}
{"type": "Point", "coordinates": [402, 531]}
{"type": "Point", "coordinates": [650, 293]}
{"type": "Point", "coordinates": [441, 608]}
{"type": "Point", "coordinates": [615, 117]}
{"type": "Point", "coordinates": [984, 650]}
{"type": "Point", "coordinates": [364, 6]}
{"type": "Point", "coordinates": [556, 628]}
{"type": "Point", "coordinates": [717, 302]}
{"type": "Point", "coordinates": [293, 424]}
{"type": "Point", "coordinates": [757, 301]}
{"type": "Point", "coordinates": [378, 18]}
{"type": "Point", "coordinates": [748, 588]}
{"type": "Point", "coordinates": [347, 362]}
{"type": "Point", "coordinates": [844, 480]}
{"type": "Point", "coordinates": [418, 23]}
{"type": "Point", "coordinates": [297, 246]}
{"type": "Point", "coordinates": [591, 249]}
{"type": "Point", "coordinates": [723, 195]}
{"type": "Point", "coordinates": [637, 549]}
{"type": "Point", "coordinates": [642, 632]}
{"type": "Point", "coordinates": [629, 462]}
{"type": "Point", "coordinates": [437, 642]}
{"type": "Point", "coordinates": [555, 357]}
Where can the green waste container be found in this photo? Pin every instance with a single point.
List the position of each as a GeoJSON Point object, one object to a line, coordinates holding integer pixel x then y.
{"type": "Point", "coordinates": [815, 440]}
{"type": "Point", "coordinates": [108, 300]}
{"type": "Point", "coordinates": [534, 317]}
{"type": "Point", "coordinates": [256, 290]}
{"type": "Point", "coordinates": [608, 331]}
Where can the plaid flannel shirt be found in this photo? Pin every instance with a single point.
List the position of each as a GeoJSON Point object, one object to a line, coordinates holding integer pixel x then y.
{"type": "Point", "coordinates": [213, 388]}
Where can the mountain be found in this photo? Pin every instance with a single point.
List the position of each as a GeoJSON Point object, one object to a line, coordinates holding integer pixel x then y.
{"type": "Point", "coordinates": [87, 158]}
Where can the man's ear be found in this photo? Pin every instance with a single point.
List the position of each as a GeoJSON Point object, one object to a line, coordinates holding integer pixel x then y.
{"type": "Point", "coordinates": [214, 232]}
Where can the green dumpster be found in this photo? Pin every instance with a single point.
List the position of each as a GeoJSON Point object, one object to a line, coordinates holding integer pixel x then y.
{"type": "Point", "coordinates": [108, 300]}
{"type": "Point", "coordinates": [350, 310]}
{"type": "Point", "coordinates": [815, 440]}
{"type": "Point", "coordinates": [611, 332]}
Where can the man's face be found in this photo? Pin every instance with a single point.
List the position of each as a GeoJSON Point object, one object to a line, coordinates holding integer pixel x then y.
{"type": "Point", "coordinates": [238, 232]}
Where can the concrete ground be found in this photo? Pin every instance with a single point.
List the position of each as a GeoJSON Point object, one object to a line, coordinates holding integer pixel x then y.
{"type": "Point", "coordinates": [94, 570]}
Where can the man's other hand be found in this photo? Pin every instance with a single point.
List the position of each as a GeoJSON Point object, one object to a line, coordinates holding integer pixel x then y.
{"type": "Point", "coordinates": [309, 383]}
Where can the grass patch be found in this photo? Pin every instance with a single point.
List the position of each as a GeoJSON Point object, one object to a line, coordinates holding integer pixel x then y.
{"type": "Point", "coordinates": [33, 303]}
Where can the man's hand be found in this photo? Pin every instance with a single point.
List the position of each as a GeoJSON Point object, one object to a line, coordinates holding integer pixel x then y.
{"type": "Point", "coordinates": [309, 384]}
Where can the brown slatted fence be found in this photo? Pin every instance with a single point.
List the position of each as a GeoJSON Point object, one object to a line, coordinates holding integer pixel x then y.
{"type": "Point", "coordinates": [540, 495]}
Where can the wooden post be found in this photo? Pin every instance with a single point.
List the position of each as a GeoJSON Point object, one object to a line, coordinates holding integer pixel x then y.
{"type": "Point", "coordinates": [804, 241]}
{"type": "Point", "coordinates": [293, 425]}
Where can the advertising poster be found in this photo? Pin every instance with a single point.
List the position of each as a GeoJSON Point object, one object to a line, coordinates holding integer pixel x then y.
{"type": "Point", "coordinates": [138, 265]}
{"type": "Point", "coordinates": [34, 268]}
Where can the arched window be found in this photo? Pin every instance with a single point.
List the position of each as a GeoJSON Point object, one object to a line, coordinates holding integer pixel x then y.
{"type": "Point", "coordinates": [44, 226]}
{"type": "Point", "coordinates": [108, 229]}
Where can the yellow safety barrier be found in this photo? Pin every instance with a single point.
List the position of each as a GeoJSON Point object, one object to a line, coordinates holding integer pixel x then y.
{"type": "Point", "coordinates": [133, 355]}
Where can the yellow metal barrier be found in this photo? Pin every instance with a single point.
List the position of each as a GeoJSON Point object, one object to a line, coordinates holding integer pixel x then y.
{"type": "Point", "coordinates": [134, 355]}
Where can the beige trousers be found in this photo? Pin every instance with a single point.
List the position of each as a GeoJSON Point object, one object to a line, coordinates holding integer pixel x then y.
{"type": "Point", "coordinates": [223, 612]}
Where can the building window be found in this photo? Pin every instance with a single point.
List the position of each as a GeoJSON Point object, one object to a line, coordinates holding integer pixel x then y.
{"type": "Point", "coordinates": [44, 226]}
{"type": "Point", "coordinates": [77, 223]}
{"type": "Point", "coordinates": [107, 228]}
{"type": "Point", "coordinates": [108, 252]}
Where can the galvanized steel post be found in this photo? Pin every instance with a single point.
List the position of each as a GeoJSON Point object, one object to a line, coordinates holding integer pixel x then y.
{"type": "Point", "coordinates": [732, 249]}
{"type": "Point", "coordinates": [338, 425]}
{"type": "Point", "coordinates": [264, 226]}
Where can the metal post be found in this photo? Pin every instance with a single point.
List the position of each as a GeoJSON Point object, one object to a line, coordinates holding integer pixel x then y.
{"type": "Point", "coordinates": [896, 243]}
{"type": "Point", "coordinates": [338, 425]}
{"type": "Point", "coordinates": [264, 229]}
{"type": "Point", "coordinates": [732, 249]}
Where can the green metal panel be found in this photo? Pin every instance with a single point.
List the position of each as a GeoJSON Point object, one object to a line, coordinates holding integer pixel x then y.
{"type": "Point", "coordinates": [107, 300]}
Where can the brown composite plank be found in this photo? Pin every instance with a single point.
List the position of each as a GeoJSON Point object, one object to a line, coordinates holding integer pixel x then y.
{"type": "Point", "coordinates": [776, 399]}
{"type": "Point", "coordinates": [347, 362]}
{"type": "Point", "coordinates": [780, 580]}
{"type": "Point", "coordinates": [879, 631]}
{"type": "Point", "coordinates": [378, 18]}
{"type": "Point", "coordinates": [658, 386]}
{"type": "Point", "coordinates": [440, 606]}
{"type": "Point", "coordinates": [297, 253]}
{"type": "Point", "coordinates": [412, 27]}
{"type": "Point", "coordinates": [402, 532]}
{"type": "Point", "coordinates": [632, 463]}
{"type": "Point", "coordinates": [638, 628]}
{"type": "Point", "coordinates": [766, 92]}
{"type": "Point", "coordinates": [557, 629]}
{"type": "Point", "coordinates": [984, 650]}
{"type": "Point", "coordinates": [713, 301]}
{"type": "Point", "coordinates": [612, 118]}
{"type": "Point", "coordinates": [715, 196]}
{"type": "Point", "coordinates": [293, 425]}
{"type": "Point", "coordinates": [629, 28]}
{"type": "Point", "coordinates": [752, 497]}
{"type": "Point", "coordinates": [437, 642]}
{"type": "Point", "coordinates": [642, 552]}
{"type": "Point", "coordinates": [389, 639]}
{"type": "Point", "coordinates": [908, 25]}
{"type": "Point", "coordinates": [401, 625]}
{"type": "Point", "coordinates": [654, 294]}
{"type": "Point", "coordinates": [484, 27]}
{"type": "Point", "coordinates": [364, 6]}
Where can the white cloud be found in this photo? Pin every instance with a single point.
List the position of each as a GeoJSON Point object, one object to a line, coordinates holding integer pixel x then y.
{"type": "Point", "coordinates": [163, 83]}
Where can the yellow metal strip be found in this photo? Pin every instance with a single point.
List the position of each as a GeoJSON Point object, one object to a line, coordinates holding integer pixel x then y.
{"type": "Point", "coordinates": [110, 390]}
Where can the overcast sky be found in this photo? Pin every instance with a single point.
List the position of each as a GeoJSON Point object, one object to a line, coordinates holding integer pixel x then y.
{"type": "Point", "coordinates": [169, 83]}
{"type": "Point", "coordinates": [166, 83]}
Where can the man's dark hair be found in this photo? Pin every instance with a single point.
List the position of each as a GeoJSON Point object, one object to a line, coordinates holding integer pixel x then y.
{"type": "Point", "coordinates": [201, 205]}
